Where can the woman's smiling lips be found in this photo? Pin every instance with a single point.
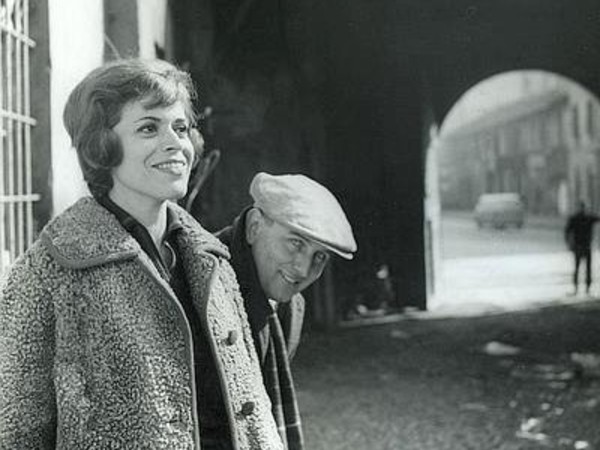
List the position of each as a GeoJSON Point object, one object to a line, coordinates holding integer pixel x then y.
{"type": "Point", "coordinates": [172, 166]}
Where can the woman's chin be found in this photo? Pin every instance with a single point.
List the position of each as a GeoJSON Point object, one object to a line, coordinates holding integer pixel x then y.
{"type": "Point", "coordinates": [178, 192]}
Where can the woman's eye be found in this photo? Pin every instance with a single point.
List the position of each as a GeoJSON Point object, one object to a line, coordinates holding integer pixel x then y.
{"type": "Point", "coordinates": [148, 128]}
{"type": "Point", "coordinates": [182, 130]}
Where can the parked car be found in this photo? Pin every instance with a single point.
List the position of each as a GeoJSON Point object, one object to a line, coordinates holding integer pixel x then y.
{"type": "Point", "coordinates": [500, 210]}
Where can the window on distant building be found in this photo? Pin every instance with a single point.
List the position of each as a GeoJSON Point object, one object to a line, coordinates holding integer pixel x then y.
{"type": "Point", "coordinates": [591, 119]}
{"type": "Point", "coordinates": [578, 186]}
{"type": "Point", "coordinates": [575, 123]}
{"type": "Point", "coordinates": [552, 130]}
{"type": "Point", "coordinates": [591, 188]}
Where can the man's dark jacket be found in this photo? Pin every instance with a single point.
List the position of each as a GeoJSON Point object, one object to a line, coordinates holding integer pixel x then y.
{"type": "Point", "coordinates": [579, 231]}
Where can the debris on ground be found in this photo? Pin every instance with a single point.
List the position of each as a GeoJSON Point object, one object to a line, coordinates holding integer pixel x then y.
{"type": "Point", "coordinates": [531, 429]}
{"type": "Point", "coordinates": [586, 364]}
{"type": "Point", "coordinates": [480, 407]}
{"type": "Point", "coordinates": [556, 374]}
{"type": "Point", "coordinates": [399, 334]}
{"type": "Point", "coordinates": [496, 348]}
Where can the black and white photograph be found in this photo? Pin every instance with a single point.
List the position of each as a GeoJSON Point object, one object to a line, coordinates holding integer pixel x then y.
{"type": "Point", "coordinates": [299, 224]}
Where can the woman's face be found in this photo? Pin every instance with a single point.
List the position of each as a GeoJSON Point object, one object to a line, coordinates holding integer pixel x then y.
{"type": "Point", "coordinates": [157, 155]}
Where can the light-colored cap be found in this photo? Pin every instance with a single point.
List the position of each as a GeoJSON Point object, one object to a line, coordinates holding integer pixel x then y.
{"type": "Point", "coordinates": [306, 207]}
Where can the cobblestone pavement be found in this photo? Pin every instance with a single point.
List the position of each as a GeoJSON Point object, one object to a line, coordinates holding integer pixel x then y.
{"type": "Point", "coordinates": [511, 381]}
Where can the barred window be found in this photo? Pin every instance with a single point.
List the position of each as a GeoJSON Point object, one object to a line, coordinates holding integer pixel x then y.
{"type": "Point", "coordinates": [16, 196]}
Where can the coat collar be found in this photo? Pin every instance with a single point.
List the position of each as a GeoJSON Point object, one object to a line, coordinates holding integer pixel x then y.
{"type": "Point", "coordinates": [87, 235]}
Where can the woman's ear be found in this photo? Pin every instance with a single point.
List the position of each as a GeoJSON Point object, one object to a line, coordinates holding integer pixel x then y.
{"type": "Point", "coordinates": [253, 223]}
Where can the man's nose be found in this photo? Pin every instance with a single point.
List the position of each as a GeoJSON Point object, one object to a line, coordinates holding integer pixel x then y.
{"type": "Point", "coordinates": [302, 264]}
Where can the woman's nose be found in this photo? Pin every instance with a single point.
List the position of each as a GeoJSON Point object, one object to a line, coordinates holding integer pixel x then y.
{"type": "Point", "coordinates": [171, 139]}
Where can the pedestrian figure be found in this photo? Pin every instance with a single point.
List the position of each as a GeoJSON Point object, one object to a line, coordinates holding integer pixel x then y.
{"type": "Point", "coordinates": [579, 233]}
{"type": "Point", "coordinates": [123, 327]}
{"type": "Point", "coordinates": [279, 247]}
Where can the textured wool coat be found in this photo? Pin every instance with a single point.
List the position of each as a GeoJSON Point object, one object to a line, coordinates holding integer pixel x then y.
{"type": "Point", "coordinates": [96, 351]}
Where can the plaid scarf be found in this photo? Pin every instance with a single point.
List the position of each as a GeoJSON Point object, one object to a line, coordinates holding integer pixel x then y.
{"type": "Point", "coordinates": [280, 387]}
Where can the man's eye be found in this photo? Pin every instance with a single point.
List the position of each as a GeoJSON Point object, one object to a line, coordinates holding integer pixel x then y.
{"type": "Point", "coordinates": [296, 244]}
{"type": "Point", "coordinates": [321, 258]}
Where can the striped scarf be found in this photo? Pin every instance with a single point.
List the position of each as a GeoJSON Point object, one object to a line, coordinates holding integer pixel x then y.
{"type": "Point", "coordinates": [280, 387]}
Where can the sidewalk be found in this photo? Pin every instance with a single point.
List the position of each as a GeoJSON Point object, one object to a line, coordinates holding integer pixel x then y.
{"type": "Point", "coordinates": [536, 221]}
{"type": "Point", "coordinates": [504, 282]}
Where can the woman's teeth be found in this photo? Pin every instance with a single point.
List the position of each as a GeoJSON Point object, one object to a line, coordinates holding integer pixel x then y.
{"type": "Point", "coordinates": [170, 165]}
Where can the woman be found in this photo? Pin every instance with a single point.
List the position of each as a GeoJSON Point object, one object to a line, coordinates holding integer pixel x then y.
{"type": "Point", "coordinates": [122, 327]}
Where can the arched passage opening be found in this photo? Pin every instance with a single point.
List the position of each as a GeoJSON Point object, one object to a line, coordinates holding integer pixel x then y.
{"type": "Point", "coordinates": [529, 134]}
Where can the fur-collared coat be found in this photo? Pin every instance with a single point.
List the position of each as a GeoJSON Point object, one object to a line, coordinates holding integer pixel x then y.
{"type": "Point", "coordinates": [96, 351]}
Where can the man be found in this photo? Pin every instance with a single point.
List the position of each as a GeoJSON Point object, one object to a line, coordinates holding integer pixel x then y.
{"type": "Point", "coordinates": [279, 247]}
{"type": "Point", "coordinates": [579, 233]}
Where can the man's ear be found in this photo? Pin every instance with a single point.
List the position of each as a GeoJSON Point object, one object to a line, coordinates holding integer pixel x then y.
{"type": "Point", "coordinates": [253, 223]}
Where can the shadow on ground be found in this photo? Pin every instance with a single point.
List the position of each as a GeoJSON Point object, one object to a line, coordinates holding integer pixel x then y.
{"type": "Point", "coordinates": [505, 381]}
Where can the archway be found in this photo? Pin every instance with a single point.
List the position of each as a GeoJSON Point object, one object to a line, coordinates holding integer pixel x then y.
{"type": "Point", "coordinates": [530, 133]}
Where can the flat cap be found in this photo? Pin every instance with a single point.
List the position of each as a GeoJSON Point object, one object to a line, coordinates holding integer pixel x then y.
{"type": "Point", "coordinates": [306, 207]}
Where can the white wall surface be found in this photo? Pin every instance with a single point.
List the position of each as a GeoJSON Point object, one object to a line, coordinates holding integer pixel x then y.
{"type": "Point", "coordinates": [76, 47]}
{"type": "Point", "coordinates": [152, 23]}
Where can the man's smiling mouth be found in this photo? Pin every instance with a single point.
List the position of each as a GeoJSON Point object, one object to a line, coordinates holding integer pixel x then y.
{"type": "Point", "coordinates": [289, 279]}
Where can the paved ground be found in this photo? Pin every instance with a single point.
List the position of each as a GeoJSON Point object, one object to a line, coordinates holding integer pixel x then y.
{"type": "Point", "coordinates": [506, 282]}
{"type": "Point", "coordinates": [432, 383]}
{"type": "Point", "coordinates": [501, 270]}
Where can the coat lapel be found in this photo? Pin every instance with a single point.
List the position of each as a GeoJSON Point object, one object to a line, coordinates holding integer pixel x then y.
{"type": "Point", "coordinates": [87, 235]}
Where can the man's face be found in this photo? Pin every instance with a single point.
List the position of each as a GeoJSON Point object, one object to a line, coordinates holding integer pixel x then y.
{"type": "Point", "coordinates": [286, 262]}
